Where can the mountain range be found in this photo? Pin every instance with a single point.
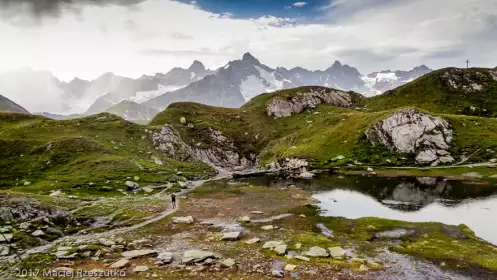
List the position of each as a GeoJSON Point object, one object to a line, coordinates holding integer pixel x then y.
{"type": "Point", "coordinates": [229, 86]}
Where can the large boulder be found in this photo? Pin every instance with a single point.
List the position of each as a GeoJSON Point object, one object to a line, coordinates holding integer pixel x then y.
{"type": "Point", "coordinates": [414, 132]}
{"type": "Point", "coordinates": [287, 107]}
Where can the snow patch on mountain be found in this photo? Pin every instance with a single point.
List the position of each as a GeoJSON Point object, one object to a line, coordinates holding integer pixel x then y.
{"type": "Point", "coordinates": [144, 96]}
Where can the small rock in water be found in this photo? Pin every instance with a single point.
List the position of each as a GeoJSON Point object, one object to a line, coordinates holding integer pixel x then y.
{"type": "Point", "coordinates": [231, 236]}
{"type": "Point", "coordinates": [337, 252]}
{"type": "Point", "coordinates": [306, 175]}
{"type": "Point", "coordinates": [141, 268]}
{"type": "Point", "coordinates": [120, 263]}
{"type": "Point", "coordinates": [253, 241]}
{"type": "Point", "coordinates": [228, 263]}
{"type": "Point", "coordinates": [183, 220]}
{"type": "Point", "coordinates": [317, 252]}
{"type": "Point", "coordinates": [38, 233]}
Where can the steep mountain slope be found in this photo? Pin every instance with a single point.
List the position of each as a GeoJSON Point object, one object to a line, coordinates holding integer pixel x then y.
{"type": "Point", "coordinates": [9, 106]}
{"type": "Point", "coordinates": [450, 90]}
{"type": "Point", "coordinates": [89, 154]}
{"type": "Point", "coordinates": [133, 111]}
{"type": "Point", "coordinates": [230, 86]}
{"type": "Point", "coordinates": [379, 82]}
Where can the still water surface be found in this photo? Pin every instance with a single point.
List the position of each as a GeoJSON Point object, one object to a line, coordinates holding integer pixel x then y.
{"type": "Point", "coordinates": [422, 199]}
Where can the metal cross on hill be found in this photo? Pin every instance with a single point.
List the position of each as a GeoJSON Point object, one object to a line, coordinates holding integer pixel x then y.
{"type": "Point", "coordinates": [467, 63]}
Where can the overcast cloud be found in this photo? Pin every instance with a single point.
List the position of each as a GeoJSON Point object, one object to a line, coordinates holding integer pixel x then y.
{"type": "Point", "coordinates": [135, 37]}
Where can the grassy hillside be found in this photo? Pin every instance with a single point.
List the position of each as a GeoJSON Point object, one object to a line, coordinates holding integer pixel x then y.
{"type": "Point", "coordinates": [318, 134]}
{"type": "Point", "coordinates": [96, 153]}
{"type": "Point", "coordinates": [9, 106]}
{"type": "Point", "coordinates": [448, 91]}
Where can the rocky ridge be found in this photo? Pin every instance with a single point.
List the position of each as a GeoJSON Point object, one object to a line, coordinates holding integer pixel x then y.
{"type": "Point", "coordinates": [285, 108]}
{"type": "Point", "coordinates": [413, 131]}
{"type": "Point", "coordinates": [223, 153]}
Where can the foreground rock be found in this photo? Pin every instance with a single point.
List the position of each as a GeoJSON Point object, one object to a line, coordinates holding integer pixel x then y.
{"type": "Point", "coordinates": [120, 263]}
{"type": "Point", "coordinates": [337, 252]}
{"type": "Point", "coordinates": [413, 131]}
{"type": "Point", "coordinates": [317, 252]}
{"type": "Point", "coordinates": [138, 253]}
{"type": "Point", "coordinates": [195, 256]}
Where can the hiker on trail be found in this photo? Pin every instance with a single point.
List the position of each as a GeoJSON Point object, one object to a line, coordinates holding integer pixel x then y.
{"type": "Point", "coordinates": [173, 200]}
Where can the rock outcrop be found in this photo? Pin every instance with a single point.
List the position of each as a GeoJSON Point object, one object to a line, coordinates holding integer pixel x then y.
{"type": "Point", "coordinates": [414, 132]}
{"type": "Point", "coordinates": [222, 152]}
{"type": "Point", "coordinates": [285, 108]}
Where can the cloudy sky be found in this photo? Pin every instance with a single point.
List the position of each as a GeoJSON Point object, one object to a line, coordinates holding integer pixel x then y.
{"type": "Point", "coordinates": [86, 38]}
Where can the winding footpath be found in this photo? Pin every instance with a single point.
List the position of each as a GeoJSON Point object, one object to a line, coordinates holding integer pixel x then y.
{"type": "Point", "coordinates": [222, 174]}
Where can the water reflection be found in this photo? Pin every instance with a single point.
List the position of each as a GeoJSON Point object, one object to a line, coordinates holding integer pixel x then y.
{"type": "Point", "coordinates": [421, 199]}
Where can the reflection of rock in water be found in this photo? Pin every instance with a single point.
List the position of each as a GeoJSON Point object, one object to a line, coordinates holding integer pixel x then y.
{"type": "Point", "coordinates": [409, 196]}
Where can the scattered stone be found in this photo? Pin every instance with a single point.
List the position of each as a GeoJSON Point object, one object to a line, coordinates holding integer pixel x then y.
{"type": "Point", "coordinates": [337, 158]}
{"type": "Point", "coordinates": [253, 241]}
{"type": "Point", "coordinates": [494, 160]}
{"type": "Point", "coordinates": [120, 263]}
{"type": "Point", "coordinates": [131, 185]}
{"type": "Point", "coordinates": [231, 236]}
{"type": "Point", "coordinates": [27, 183]}
{"type": "Point", "coordinates": [290, 267]}
{"type": "Point", "coordinates": [306, 175]}
{"type": "Point", "coordinates": [182, 120]}
{"type": "Point", "coordinates": [257, 212]}
{"type": "Point", "coordinates": [363, 268]}
{"type": "Point", "coordinates": [4, 250]}
{"type": "Point", "coordinates": [64, 255]}
{"type": "Point", "coordinates": [369, 169]}
{"type": "Point", "coordinates": [394, 234]}
{"type": "Point", "coordinates": [38, 233]}
{"type": "Point", "coordinates": [55, 193]}
{"type": "Point", "coordinates": [54, 231]}
{"type": "Point", "coordinates": [317, 252]}
{"type": "Point", "coordinates": [165, 257]}
{"type": "Point", "coordinates": [136, 178]}
{"type": "Point", "coordinates": [277, 273]}
{"type": "Point", "coordinates": [359, 260]}
{"type": "Point", "coordinates": [302, 216]}
{"type": "Point", "coordinates": [280, 249]}
{"type": "Point", "coordinates": [302, 258]}
{"type": "Point", "coordinates": [298, 246]}
{"type": "Point", "coordinates": [106, 242]}
{"type": "Point", "coordinates": [138, 253]}
{"type": "Point", "coordinates": [270, 227]}
{"type": "Point", "coordinates": [244, 219]}
{"type": "Point", "coordinates": [272, 244]}
{"type": "Point", "coordinates": [228, 263]}
{"type": "Point", "coordinates": [337, 252]}
{"type": "Point", "coordinates": [148, 190]}
{"type": "Point", "coordinates": [141, 268]}
{"type": "Point", "coordinates": [65, 248]}
{"type": "Point", "coordinates": [183, 220]}
{"type": "Point", "coordinates": [195, 256]}
{"type": "Point", "coordinates": [25, 225]}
